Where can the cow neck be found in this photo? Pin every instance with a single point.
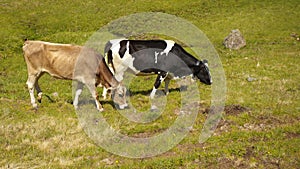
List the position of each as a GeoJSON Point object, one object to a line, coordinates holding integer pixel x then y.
{"type": "Point", "coordinates": [187, 58]}
{"type": "Point", "coordinates": [107, 77]}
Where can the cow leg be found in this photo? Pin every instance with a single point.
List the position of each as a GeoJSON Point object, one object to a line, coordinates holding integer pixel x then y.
{"type": "Point", "coordinates": [104, 93]}
{"type": "Point", "coordinates": [38, 89]}
{"type": "Point", "coordinates": [167, 81]}
{"type": "Point", "coordinates": [77, 94]}
{"type": "Point", "coordinates": [39, 92]}
{"type": "Point", "coordinates": [160, 78]}
{"type": "Point", "coordinates": [30, 84]}
{"type": "Point", "coordinates": [92, 89]}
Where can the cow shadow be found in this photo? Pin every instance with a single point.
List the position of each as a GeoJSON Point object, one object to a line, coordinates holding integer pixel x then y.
{"type": "Point", "coordinates": [81, 102]}
{"type": "Point", "coordinates": [160, 92]}
{"type": "Point", "coordinates": [129, 93]}
{"type": "Point", "coordinates": [92, 102]}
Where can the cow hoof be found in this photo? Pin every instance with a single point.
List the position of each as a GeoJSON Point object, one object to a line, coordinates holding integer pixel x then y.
{"type": "Point", "coordinates": [153, 108]}
{"type": "Point", "coordinates": [101, 110]}
{"type": "Point", "coordinates": [34, 105]}
{"type": "Point", "coordinates": [40, 97]}
{"type": "Point", "coordinates": [39, 100]}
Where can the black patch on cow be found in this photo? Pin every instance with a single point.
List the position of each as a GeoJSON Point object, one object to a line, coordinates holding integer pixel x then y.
{"type": "Point", "coordinates": [123, 47]}
{"type": "Point", "coordinates": [144, 61]}
{"type": "Point", "coordinates": [138, 45]}
{"type": "Point", "coordinates": [149, 58]}
{"type": "Point", "coordinates": [109, 57]}
{"type": "Point", "coordinates": [188, 59]}
{"type": "Point", "coordinates": [178, 61]}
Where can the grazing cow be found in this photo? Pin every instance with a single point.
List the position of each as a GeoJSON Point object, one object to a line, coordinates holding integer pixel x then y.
{"type": "Point", "coordinates": [165, 58]}
{"type": "Point", "coordinates": [70, 62]}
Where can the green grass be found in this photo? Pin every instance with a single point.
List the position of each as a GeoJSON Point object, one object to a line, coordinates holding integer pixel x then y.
{"type": "Point", "coordinates": [266, 135]}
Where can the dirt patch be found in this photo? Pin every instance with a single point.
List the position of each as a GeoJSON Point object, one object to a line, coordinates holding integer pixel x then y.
{"type": "Point", "coordinates": [223, 126]}
{"type": "Point", "coordinates": [233, 109]}
{"type": "Point", "coordinates": [291, 135]}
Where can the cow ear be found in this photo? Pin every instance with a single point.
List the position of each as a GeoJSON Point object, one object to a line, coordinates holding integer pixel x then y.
{"type": "Point", "coordinates": [199, 63]}
{"type": "Point", "coordinates": [205, 62]}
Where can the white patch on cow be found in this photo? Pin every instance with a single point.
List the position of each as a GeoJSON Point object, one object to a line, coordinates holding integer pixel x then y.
{"type": "Point", "coordinates": [206, 64]}
{"type": "Point", "coordinates": [153, 93]}
{"type": "Point", "coordinates": [115, 45]}
{"type": "Point", "coordinates": [155, 58]}
{"type": "Point", "coordinates": [122, 64]}
{"type": "Point", "coordinates": [161, 79]}
{"type": "Point", "coordinates": [182, 77]}
{"type": "Point", "coordinates": [170, 45]}
{"type": "Point", "coordinates": [115, 42]}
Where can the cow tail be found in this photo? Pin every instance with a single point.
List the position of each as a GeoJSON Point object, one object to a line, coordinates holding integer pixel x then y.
{"type": "Point", "coordinates": [107, 47]}
{"type": "Point", "coordinates": [110, 59]}
{"type": "Point", "coordinates": [108, 55]}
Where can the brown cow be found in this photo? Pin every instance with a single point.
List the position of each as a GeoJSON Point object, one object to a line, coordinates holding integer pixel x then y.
{"type": "Point", "coordinates": [70, 62]}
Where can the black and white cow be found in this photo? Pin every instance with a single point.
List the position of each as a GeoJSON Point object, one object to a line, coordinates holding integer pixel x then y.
{"type": "Point", "coordinates": [165, 58]}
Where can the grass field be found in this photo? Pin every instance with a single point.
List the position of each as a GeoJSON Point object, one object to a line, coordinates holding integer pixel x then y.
{"type": "Point", "coordinates": [260, 127]}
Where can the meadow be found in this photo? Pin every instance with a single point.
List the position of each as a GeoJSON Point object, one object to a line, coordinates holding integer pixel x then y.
{"type": "Point", "coordinates": [260, 124]}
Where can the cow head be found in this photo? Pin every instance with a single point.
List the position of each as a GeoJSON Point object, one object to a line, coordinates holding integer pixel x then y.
{"type": "Point", "coordinates": [119, 96]}
{"type": "Point", "coordinates": [202, 72]}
